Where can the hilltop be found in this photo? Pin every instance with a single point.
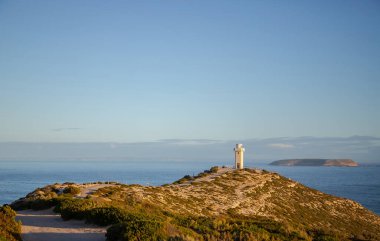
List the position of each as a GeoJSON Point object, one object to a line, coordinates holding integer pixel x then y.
{"type": "Point", "coordinates": [218, 204]}
{"type": "Point", "coordinates": [316, 162]}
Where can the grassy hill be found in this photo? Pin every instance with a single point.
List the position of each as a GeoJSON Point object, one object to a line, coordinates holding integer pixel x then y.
{"type": "Point", "coordinates": [218, 204]}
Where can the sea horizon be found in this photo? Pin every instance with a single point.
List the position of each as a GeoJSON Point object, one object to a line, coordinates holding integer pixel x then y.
{"type": "Point", "coordinates": [18, 178]}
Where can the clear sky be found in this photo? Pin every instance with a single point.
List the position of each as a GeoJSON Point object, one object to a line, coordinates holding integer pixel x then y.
{"type": "Point", "coordinates": [139, 71]}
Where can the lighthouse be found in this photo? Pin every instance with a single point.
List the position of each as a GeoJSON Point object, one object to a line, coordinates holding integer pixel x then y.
{"type": "Point", "coordinates": [239, 156]}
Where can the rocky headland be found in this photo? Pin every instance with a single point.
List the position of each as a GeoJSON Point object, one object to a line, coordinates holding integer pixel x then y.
{"type": "Point", "coordinates": [218, 204]}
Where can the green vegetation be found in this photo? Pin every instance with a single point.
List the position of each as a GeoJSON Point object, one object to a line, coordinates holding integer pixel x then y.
{"type": "Point", "coordinates": [184, 179]}
{"type": "Point", "coordinates": [138, 223]}
{"type": "Point", "coordinates": [73, 190]}
{"type": "Point", "coordinates": [106, 215]}
{"type": "Point", "coordinates": [10, 229]}
{"type": "Point", "coordinates": [136, 229]}
{"type": "Point", "coordinates": [229, 205]}
{"type": "Point", "coordinates": [74, 208]}
{"type": "Point", "coordinates": [39, 204]}
{"type": "Point", "coordinates": [214, 169]}
{"type": "Point", "coordinates": [145, 222]}
{"type": "Point", "coordinates": [206, 228]}
{"type": "Point", "coordinates": [188, 178]}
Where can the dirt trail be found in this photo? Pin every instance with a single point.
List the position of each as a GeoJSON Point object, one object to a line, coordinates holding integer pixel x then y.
{"type": "Point", "coordinates": [87, 189]}
{"type": "Point", "coordinates": [46, 225]}
{"type": "Point", "coordinates": [211, 176]}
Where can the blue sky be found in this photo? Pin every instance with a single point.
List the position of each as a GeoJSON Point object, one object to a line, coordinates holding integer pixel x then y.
{"type": "Point", "coordinates": [142, 71]}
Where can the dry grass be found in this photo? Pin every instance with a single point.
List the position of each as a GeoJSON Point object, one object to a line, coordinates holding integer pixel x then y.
{"type": "Point", "coordinates": [246, 193]}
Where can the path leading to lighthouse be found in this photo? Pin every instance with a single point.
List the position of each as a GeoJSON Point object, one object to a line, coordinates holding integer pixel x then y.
{"type": "Point", "coordinates": [87, 189]}
{"type": "Point", "coordinates": [45, 225]}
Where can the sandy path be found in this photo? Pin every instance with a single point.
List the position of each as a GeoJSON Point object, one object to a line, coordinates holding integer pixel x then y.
{"type": "Point", "coordinates": [91, 188]}
{"type": "Point", "coordinates": [46, 225]}
{"type": "Point", "coordinates": [211, 176]}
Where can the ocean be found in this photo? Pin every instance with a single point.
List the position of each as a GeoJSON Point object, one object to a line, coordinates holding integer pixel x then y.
{"type": "Point", "coordinates": [17, 178]}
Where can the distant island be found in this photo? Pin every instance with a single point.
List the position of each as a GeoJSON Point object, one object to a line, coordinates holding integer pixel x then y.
{"type": "Point", "coordinates": [316, 162]}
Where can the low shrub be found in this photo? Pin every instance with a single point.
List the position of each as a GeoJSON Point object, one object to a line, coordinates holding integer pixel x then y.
{"type": "Point", "coordinates": [184, 179]}
{"type": "Point", "coordinates": [148, 227]}
{"type": "Point", "coordinates": [20, 204]}
{"type": "Point", "coordinates": [10, 229]}
{"type": "Point", "coordinates": [106, 215]}
{"type": "Point", "coordinates": [73, 190]}
{"type": "Point", "coordinates": [231, 229]}
{"type": "Point", "coordinates": [41, 204]}
{"type": "Point", "coordinates": [135, 230]}
{"type": "Point", "coordinates": [320, 235]}
{"type": "Point", "coordinates": [74, 208]}
{"type": "Point", "coordinates": [214, 169]}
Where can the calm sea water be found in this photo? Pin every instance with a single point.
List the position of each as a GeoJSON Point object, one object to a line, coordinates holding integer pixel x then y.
{"type": "Point", "coordinates": [361, 184]}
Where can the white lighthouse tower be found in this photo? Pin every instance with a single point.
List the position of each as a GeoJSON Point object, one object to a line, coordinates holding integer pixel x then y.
{"type": "Point", "coordinates": [239, 156]}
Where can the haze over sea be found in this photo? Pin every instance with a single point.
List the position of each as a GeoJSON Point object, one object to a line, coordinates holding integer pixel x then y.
{"type": "Point", "coordinates": [17, 178]}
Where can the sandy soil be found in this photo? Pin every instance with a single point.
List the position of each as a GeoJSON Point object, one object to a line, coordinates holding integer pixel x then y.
{"type": "Point", "coordinates": [91, 188]}
{"type": "Point", "coordinates": [46, 225]}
